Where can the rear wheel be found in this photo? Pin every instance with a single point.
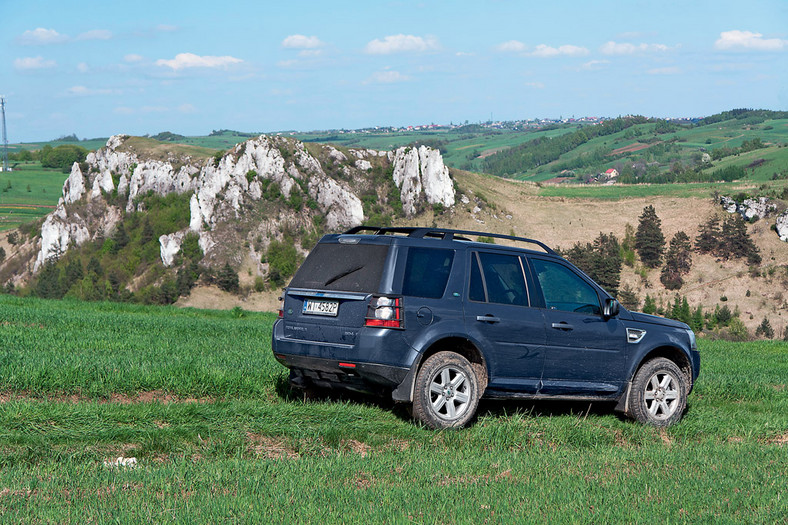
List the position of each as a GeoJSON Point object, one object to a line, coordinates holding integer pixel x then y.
{"type": "Point", "coordinates": [447, 391]}
{"type": "Point", "coordinates": [659, 393]}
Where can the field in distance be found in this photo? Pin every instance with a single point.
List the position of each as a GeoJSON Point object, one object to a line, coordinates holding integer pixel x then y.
{"type": "Point", "coordinates": [197, 398]}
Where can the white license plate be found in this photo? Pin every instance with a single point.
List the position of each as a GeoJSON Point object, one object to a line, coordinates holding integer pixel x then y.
{"type": "Point", "coordinates": [313, 307]}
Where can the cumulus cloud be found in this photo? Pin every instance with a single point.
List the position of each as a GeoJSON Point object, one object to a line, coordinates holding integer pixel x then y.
{"type": "Point", "coordinates": [190, 60]}
{"type": "Point", "coordinates": [33, 63]}
{"type": "Point", "coordinates": [40, 36]}
{"type": "Point", "coordinates": [546, 51]}
{"type": "Point", "coordinates": [302, 42]}
{"type": "Point", "coordinates": [626, 48]}
{"type": "Point", "coordinates": [401, 44]}
{"type": "Point", "coordinates": [386, 77]}
{"type": "Point", "coordinates": [747, 40]}
{"type": "Point", "coordinates": [95, 34]}
{"type": "Point", "coordinates": [511, 46]}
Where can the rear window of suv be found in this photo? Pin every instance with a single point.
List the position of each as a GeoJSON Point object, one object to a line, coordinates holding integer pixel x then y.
{"type": "Point", "coordinates": [342, 267]}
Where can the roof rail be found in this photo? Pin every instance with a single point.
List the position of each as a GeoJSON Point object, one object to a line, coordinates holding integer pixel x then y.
{"type": "Point", "coordinates": [441, 233]}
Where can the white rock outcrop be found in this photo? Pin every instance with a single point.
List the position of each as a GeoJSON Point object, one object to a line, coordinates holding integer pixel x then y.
{"type": "Point", "coordinates": [782, 226]}
{"type": "Point", "coordinates": [749, 208]}
{"type": "Point", "coordinates": [170, 247]}
{"type": "Point", "coordinates": [421, 170]}
{"type": "Point", "coordinates": [225, 189]}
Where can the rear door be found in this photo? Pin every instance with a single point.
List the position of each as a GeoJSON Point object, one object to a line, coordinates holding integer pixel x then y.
{"type": "Point", "coordinates": [326, 302]}
{"type": "Point", "coordinates": [499, 316]}
{"type": "Point", "coordinates": [585, 352]}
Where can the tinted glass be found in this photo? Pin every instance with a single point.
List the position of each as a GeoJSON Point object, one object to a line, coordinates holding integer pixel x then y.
{"type": "Point", "coordinates": [503, 276]}
{"type": "Point", "coordinates": [564, 290]}
{"type": "Point", "coordinates": [342, 267]}
{"type": "Point", "coordinates": [476, 291]}
{"type": "Point", "coordinates": [427, 272]}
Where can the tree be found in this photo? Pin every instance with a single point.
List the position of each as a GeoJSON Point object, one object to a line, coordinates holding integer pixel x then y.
{"type": "Point", "coordinates": [678, 261]}
{"type": "Point", "coordinates": [649, 305]}
{"type": "Point", "coordinates": [601, 260]}
{"type": "Point", "coordinates": [120, 237]}
{"type": "Point", "coordinates": [696, 323]}
{"type": "Point", "coordinates": [649, 240]}
{"type": "Point", "coordinates": [708, 239]}
{"type": "Point", "coordinates": [147, 232]}
{"type": "Point", "coordinates": [2, 254]}
{"type": "Point", "coordinates": [736, 241]}
{"type": "Point", "coordinates": [227, 279]}
{"type": "Point", "coordinates": [765, 330]}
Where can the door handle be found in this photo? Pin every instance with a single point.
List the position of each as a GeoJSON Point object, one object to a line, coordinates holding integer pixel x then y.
{"type": "Point", "coordinates": [563, 326]}
{"type": "Point", "coordinates": [487, 318]}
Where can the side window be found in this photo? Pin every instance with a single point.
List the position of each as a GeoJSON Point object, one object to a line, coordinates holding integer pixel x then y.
{"type": "Point", "coordinates": [476, 292]}
{"type": "Point", "coordinates": [427, 272]}
{"type": "Point", "coordinates": [503, 279]}
{"type": "Point", "coordinates": [564, 290]}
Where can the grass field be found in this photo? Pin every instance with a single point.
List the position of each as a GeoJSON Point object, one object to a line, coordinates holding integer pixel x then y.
{"type": "Point", "coordinates": [198, 399]}
{"type": "Point", "coordinates": [17, 204]}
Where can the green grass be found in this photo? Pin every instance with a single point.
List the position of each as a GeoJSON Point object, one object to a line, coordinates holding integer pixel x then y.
{"type": "Point", "coordinates": [17, 205]}
{"type": "Point", "coordinates": [233, 444]}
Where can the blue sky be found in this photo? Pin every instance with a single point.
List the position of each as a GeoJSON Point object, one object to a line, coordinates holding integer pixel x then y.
{"type": "Point", "coordinates": [97, 68]}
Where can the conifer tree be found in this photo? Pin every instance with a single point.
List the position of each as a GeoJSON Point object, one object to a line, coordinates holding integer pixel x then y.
{"type": "Point", "coordinates": [736, 241]}
{"type": "Point", "coordinates": [649, 240]}
{"type": "Point", "coordinates": [678, 261]}
{"type": "Point", "coordinates": [709, 234]}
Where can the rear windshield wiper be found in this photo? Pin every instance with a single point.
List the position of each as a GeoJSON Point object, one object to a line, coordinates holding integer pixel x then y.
{"type": "Point", "coordinates": [341, 275]}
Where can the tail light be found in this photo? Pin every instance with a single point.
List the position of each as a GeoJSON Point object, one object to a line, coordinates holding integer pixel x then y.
{"type": "Point", "coordinates": [281, 307]}
{"type": "Point", "coordinates": [385, 312]}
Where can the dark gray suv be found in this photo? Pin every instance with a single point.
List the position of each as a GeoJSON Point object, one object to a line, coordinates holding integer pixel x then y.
{"type": "Point", "coordinates": [430, 317]}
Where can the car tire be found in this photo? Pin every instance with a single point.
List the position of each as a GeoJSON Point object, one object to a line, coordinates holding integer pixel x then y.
{"type": "Point", "coordinates": [658, 395]}
{"type": "Point", "coordinates": [446, 393]}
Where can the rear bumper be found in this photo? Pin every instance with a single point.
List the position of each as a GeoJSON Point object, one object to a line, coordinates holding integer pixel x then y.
{"type": "Point", "coordinates": [343, 374]}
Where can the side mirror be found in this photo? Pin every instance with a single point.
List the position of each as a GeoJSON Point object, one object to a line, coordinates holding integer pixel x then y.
{"type": "Point", "coordinates": [611, 308]}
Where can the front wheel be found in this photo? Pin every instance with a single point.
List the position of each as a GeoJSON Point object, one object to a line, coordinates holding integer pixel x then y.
{"type": "Point", "coordinates": [446, 391]}
{"type": "Point", "coordinates": [659, 393]}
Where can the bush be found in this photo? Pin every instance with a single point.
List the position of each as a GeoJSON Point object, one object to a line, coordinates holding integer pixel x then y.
{"type": "Point", "coordinates": [283, 259]}
{"type": "Point", "coordinates": [737, 331]}
{"type": "Point", "coordinates": [765, 330]}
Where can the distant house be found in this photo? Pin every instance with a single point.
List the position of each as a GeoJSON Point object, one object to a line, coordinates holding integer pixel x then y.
{"type": "Point", "coordinates": [612, 173]}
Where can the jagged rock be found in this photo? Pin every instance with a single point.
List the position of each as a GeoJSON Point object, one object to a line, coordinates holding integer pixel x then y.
{"type": "Point", "coordinates": [170, 246]}
{"type": "Point", "coordinates": [74, 187]}
{"type": "Point", "coordinates": [224, 191]}
{"type": "Point", "coordinates": [422, 169]}
{"type": "Point", "coordinates": [749, 208]}
{"type": "Point", "coordinates": [58, 232]}
{"type": "Point", "coordinates": [782, 226]}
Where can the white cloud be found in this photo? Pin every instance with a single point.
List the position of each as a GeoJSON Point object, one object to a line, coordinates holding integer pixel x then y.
{"type": "Point", "coordinates": [535, 85]}
{"type": "Point", "coordinates": [302, 42]}
{"type": "Point", "coordinates": [82, 67]}
{"type": "Point", "coordinates": [310, 53]}
{"type": "Point", "coordinates": [626, 48]}
{"type": "Point", "coordinates": [190, 60]}
{"type": "Point", "coordinates": [512, 46]}
{"type": "Point", "coordinates": [401, 44]}
{"type": "Point", "coordinates": [123, 110]}
{"type": "Point", "coordinates": [594, 65]}
{"type": "Point", "coordinates": [672, 70]}
{"type": "Point", "coordinates": [41, 36]}
{"type": "Point", "coordinates": [286, 63]}
{"type": "Point", "coordinates": [545, 51]}
{"type": "Point", "coordinates": [82, 91]}
{"type": "Point", "coordinates": [387, 77]}
{"type": "Point", "coordinates": [749, 41]}
{"type": "Point", "coordinates": [33, 63]}
{"type": "Point", "coordinates": [95, 34]}
{"type": "Point", "coordinates": [187, 108]}
{"type": "Point", "coordinates": [132, 58]}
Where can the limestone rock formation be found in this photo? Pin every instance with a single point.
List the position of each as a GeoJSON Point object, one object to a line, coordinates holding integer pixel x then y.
{"type": "Point", "coordinates": [226, 191]}
{"type": "Point", "coordinates": [782, 226]}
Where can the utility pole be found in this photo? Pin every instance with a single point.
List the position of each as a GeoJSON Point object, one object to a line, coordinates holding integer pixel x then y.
{"type": "Point", "coordinates": [5, 138]}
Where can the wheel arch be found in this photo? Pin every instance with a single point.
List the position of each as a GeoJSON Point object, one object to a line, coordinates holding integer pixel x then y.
{"type": "Point", "coordinates": [677, 355]}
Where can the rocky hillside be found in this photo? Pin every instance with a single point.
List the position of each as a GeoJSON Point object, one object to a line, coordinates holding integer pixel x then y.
{"type": "Point", "coordinates": [234, 203]}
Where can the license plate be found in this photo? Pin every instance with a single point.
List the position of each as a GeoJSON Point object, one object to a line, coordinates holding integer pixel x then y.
{"type": "Point", "coordinates": [314, 307]}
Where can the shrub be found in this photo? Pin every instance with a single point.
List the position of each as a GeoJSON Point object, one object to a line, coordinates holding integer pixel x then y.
{"type": "Point", "coordinates": [737, 331]}
{"type": "Point", "coordinates": [283, 259]}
